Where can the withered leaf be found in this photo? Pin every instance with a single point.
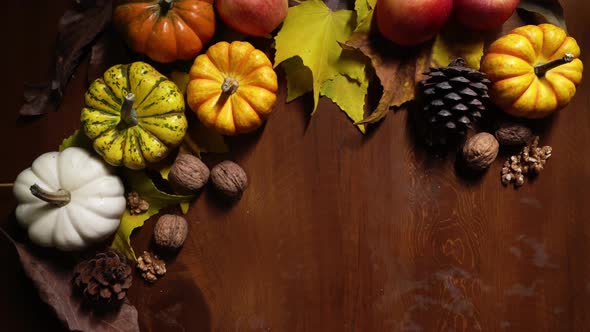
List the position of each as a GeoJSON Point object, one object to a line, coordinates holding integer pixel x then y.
{"type": "Point", "coordinates": [398, 70]}
{"type": "Point", "coordinates": [106, 51]}
{"type": "Point", "coordinates": [98, 63]}
{"type": "Point", "coordinates": [542, 11]}
{"type": "Point", "coordinates": [78, 28]}
{"type": "Point", "coordinates": [52, 277]}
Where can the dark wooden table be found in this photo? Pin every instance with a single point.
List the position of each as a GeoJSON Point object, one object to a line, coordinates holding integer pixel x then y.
{"type": "Point", "coordinates": [338, 231]}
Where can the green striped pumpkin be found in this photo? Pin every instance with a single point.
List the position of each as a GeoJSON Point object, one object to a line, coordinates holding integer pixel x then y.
{"type": "Point", "coordinates": [134, 115]}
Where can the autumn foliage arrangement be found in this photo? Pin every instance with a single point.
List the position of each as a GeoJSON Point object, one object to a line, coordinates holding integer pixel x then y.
{"type": "Point", "coordinates": [148, 118]}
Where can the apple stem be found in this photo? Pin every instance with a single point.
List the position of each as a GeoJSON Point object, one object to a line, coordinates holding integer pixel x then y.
{"type": "Point", "coordinates": [542, 69]}
{"type": "Point", "coordinates": [230, 86]}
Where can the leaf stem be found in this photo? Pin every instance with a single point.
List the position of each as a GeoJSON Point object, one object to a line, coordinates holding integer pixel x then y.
{"type": "Point", "coordinates": [542, 69]}
{"type": "Point", "coordinates": [58, 198]}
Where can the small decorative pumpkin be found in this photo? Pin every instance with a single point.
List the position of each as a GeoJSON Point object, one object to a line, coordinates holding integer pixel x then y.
{"type": "Point", "coordinates": [134, 114]}
{"type": "Point", "coordinates": [69, 199]}
{"type": "Point", "coordinates": [534, 70]}
{"type": "Point", "coordinates": [166, 30]}
{"type": "Point", "coordinates": [232, 87]}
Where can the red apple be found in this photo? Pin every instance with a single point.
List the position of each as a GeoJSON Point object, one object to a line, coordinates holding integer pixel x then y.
{"type": "Point", "coordinates": [412, 22]}
{"type": "Point", "coordinates": [252, 17]}
{"type": "Point", "coordinates": [483, 14]}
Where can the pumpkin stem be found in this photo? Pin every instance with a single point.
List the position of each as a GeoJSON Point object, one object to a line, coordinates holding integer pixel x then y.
{"type": "Point", "coordinates": [165, 5]}
{"type": "Point", "coordinates": [542, 69]}
{"type": "Point", "coordinates": [58, 198]}
{"type": "Point", "coordinates": [230, 86]}
{"type": "Point", "coordinates": [128, 113]}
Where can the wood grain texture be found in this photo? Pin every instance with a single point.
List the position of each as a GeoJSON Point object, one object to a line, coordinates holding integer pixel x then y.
{"type": "Point", "coordinates": [338, 232]}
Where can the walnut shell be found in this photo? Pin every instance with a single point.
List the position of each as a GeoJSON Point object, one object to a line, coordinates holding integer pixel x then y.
{"type": "Point", "coordinates": [480, 151]}
{"type": "Point", "coordinates": [513, 134]}
{"type": "Point", "coordinates": [170, 231]}
{"type": "Point", "coordinates": [229, 179]}
{"type": "Point", "coordinates": [188, 174]}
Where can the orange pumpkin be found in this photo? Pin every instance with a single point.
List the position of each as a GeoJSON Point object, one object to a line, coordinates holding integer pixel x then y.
{"type": "Point", "coordinates": [232, 87]}
{"type": "Point", "coordinates": [166, 30]}
{"type": "Point", "coordinates": [534, 70]}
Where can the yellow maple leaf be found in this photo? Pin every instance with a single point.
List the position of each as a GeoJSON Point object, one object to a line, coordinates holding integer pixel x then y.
{"type": "Point", "coordinates": [312, 32]}
{"type": "Point", "coordinates": [364, 14]}
{"type": "Point", "coordinates": [349, 95]}
{"type": "Point", "coordinates": [138, 181]}
{"type": "Point", "coordinates": [299, 78]}
{"type": "Point", "coordinates": [452, 42]}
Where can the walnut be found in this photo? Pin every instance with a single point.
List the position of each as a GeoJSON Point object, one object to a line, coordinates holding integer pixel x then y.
{"type": "Point", "coordinates": [229, 179]}
{"type": "Point", "coordinates": [188, 174]}
{"type": "Point", "coordinates": [480, 151]}
{"type": "Point", "coordinates": [513, 134]}
{"type": "Point", "coordinates": [136, 204]}
{"type": "Point", "coordinates": [151, 266]}
{"type": "Point", "coordinates": [530, 161]}
{"type": "Point", "coordinates": [170, 231]}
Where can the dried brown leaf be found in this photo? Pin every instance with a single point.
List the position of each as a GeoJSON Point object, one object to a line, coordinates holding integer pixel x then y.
{"type": "Point", "coordinates": [78, 28]}
{"type": "Point", "coordinates": [542, 11]}
{"type": "Point", "coordinates": [98, 63]}
{"type": "Point", "coordinates": [397, 68]}
{"type": "Point", "coordinates": [52, 277]}
{"type": "Point", "coordinates": [107, 51]}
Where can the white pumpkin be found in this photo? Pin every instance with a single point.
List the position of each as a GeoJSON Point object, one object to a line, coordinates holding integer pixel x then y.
{"type": "Point", "coordinates": [69, 199]}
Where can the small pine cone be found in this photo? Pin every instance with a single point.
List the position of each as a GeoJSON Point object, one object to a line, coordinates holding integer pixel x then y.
{"type": "Point", "coordinates": [454, 99]}
{"type": "Point", "coordinates": [104, 279]}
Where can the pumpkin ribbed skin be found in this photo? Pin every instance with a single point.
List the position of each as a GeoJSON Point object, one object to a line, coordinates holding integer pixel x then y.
{"type": "Point", "coordinates": [243, 108]}
{"type": "Point", "coordinates": [159, 106]}
{"type": "Point", "coordinates": [166, 31]}
{"type": "Point", "coordinates": [97, 200]}
{"type": "Point", "coordinates": [510, 64]}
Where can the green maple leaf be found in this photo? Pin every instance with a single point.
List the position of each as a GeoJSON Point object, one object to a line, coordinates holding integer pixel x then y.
{"type": "Point", "coordinates": [312, 32]}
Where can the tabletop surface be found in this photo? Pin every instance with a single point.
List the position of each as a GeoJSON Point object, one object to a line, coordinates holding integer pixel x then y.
{"type": "Point", "coordinates": [337, 231]}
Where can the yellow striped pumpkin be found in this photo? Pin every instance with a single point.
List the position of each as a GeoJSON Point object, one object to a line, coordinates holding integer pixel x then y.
{"type": "Point", "coordinates": [134, 115]}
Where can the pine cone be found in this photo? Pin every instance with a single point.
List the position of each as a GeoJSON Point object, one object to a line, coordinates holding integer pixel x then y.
{"type": "Point", "coordinates": [454, 98]}
{"type": "Point", "coordinates": [103, 279]}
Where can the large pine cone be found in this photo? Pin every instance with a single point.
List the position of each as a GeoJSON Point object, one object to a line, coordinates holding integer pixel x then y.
{"type": "Point", "coordinates": [454, 98]}
{"type": "Point", "coordinates": [104, 279]}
